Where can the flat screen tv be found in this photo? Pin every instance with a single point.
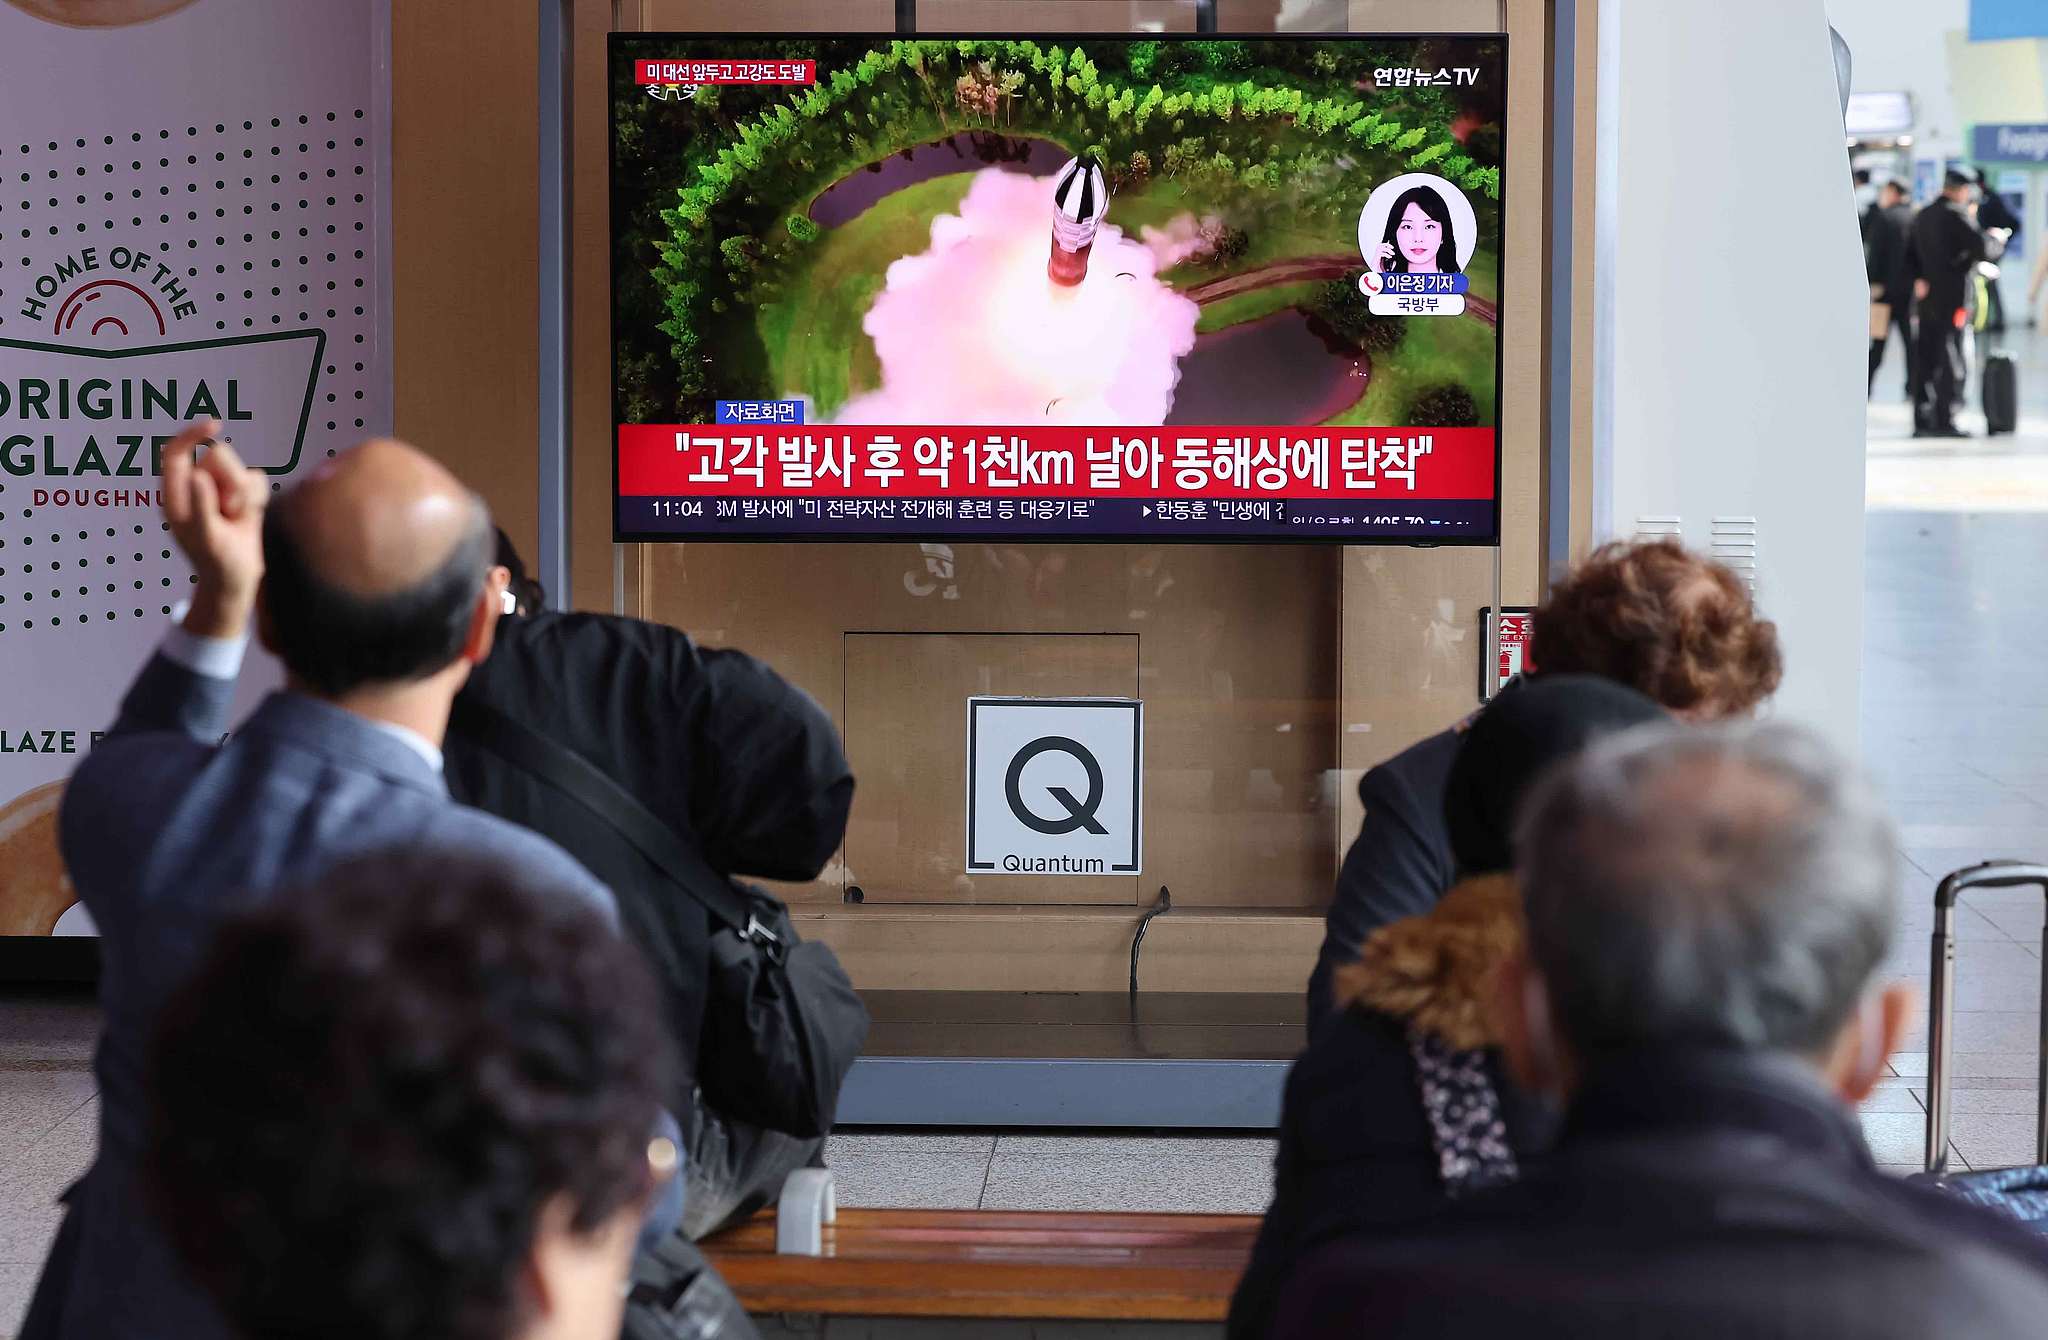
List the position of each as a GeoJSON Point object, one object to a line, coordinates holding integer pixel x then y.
{"type": "Point", "coordinates": [1145, 288]}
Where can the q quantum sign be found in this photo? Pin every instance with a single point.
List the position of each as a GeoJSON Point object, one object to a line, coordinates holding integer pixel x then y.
{"type": "Point", "coordinates": [1055, 786]}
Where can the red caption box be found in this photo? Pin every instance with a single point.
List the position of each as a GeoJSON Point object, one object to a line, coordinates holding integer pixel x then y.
{"type": "Point", "coordinates": [854, 461]}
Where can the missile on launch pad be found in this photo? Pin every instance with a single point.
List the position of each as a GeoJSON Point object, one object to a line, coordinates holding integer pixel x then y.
{"type": "Point", "coordinates": [1080, 197]}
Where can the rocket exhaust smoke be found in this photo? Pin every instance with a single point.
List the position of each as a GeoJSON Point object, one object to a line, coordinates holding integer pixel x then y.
{"type": "Point", "coordinates": [971, 330]}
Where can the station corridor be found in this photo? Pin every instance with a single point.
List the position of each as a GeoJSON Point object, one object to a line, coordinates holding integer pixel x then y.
{"type": "Point", "coordinates": [1955, 729]}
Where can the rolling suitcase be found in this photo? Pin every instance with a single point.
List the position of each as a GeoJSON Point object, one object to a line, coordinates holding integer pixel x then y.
{"type": "Point", "coordinates": [2001, 393]}
{"type": "Point", "coordinates": [1941, 999]}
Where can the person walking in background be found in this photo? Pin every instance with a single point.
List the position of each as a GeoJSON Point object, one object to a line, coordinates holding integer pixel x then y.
{"type": "Point", "coordinates": [1664, 621]}
{"type": "Point", "coordinates": [1946, 246]}
{"type": "Point", "coordinates": [1887, 233]}
{"type": "Point", "coordinates": [373, 583]}
{"type": "Point", "coordinates": [2000, 226]}
{"type": "Point", "coordinates": [1399, 1105]}
{"type": "Point", "coordinates": [1707, 909]}
{"type": "Point", "coordinates": [411, 1099]}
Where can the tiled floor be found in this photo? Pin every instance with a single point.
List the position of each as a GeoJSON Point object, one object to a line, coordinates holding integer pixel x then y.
{"type": "Point", "coordinates": [47, 1128]}
{"type": "Point", "coordinates": [1956, 730]}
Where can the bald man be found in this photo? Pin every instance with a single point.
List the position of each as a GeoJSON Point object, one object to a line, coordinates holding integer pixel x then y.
{"type": "Point", "coordinates": [373, 582]}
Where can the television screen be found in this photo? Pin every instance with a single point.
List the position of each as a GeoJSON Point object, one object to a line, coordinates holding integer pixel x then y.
{"type": "Point", "coordinates": [1145, 288]}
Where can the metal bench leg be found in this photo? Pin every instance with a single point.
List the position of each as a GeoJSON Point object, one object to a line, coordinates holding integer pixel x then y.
{"type": "Point", "coordinates": [1941, 1001]}
{"type": "Point", "coordinates": [1941, 993]}
{"type": "Point", "coordinates": [809, 1202]}
{"type": "Point", "coordinates": [2041, 1060]}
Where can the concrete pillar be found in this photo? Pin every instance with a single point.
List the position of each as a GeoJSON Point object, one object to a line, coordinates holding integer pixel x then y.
{"type": "Point", "coordinates": [1730, 319]}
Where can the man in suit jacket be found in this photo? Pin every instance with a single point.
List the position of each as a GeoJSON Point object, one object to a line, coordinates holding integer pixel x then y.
{"type": "Point", "coordinates": [373, 583]}
{"type": "Point", "coordinates": [1674, 626]}
{"type": "Point", "coordinates": [1947, 244]}
{"type": "Point", "coordinates": [1887, 233]}
{"type": "Point", "coordinates": [1707, 910]}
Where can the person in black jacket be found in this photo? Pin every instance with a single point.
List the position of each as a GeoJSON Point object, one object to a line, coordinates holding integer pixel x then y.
{"type": "Point", "coordinates": [2000, 227]}
{"type": "Point", "coordinates": [736, 760]}
{"type": "Point", "coordinates": [1706, 910]}
{"type": "Point", "coordinates": [1887, 228]}
{"type": "Point", "coordinates": [1946, 244]}
{"type": "Point", "coordinates": [1399, 1103]}
{"type": "Point", "coordinates": [1653, 616]}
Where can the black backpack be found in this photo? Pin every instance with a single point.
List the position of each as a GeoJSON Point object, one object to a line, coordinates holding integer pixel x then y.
{"type": "Point", "coordinates": [779, 1008]}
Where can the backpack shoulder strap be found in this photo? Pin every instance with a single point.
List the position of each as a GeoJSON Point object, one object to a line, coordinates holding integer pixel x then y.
{"type": "Point", "coordinates": [575, 776]}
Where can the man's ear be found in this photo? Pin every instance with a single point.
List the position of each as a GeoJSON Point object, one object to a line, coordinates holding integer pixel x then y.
{"type": "Point", "coordinates": [574, 1282]}
{"type": "Point", "coordinates": [1528, 1044]}
{"type": "Point", "coordinates": [1867, 1042]}
{"type": "Point", "coordinates": [540, 1275]}
{"type": "Point", "coordinates": [266, 630]}
{"type": "Point", "coordinates": [483, 620]}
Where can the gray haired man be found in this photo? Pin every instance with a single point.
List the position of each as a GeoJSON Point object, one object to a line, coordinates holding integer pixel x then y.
{"type": "Point", "coordinates": [1706, 910]}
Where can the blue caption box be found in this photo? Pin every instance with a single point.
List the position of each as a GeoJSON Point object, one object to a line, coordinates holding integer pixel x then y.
{"type": "Point", "coordinates": [1435, 284]}
{"type": "Point", "coordinates": [759, 411]}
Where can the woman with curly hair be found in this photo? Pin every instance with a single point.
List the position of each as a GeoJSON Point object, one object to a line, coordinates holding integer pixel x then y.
{"type": "Point", "coordinates": [1671, 624]}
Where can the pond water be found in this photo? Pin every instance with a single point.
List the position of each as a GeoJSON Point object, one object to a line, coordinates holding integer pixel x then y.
{"type": "Point", "coordinates": [968, 151]}
{"type": "Point", "coordinates": [1279, 369]}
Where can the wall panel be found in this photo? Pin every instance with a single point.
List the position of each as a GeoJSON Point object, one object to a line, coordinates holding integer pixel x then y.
{"type": "Point", "coordinates": [465, 223]}
{"type": "Point", "coordinates": [1294, 669]}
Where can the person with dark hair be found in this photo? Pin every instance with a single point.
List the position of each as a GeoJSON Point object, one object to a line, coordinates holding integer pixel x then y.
{"type": "Point", "coordinates": [1400, 1103]}
{"type": "Point", "coordinates": [1652, 615]}
{"type": "Point", "coordinates": [379, 597]}
{"type": "Point", "coordinates": [1420, 238]}
{"type": "Point", "coordinates": [2000, 226]}
{"type": "Point", "coordinates": [1945, 248]}
{"type": "Point", "coordinates": [739, 769]}
{"type": "Point", "coordinates": [1707, 912]}
{"type": "Point", "coordinates": [1887, 234]}
{"type": "Point", "coordinates": [411, 1098]}
{"type": "Point", "coordinates": [523, 593]}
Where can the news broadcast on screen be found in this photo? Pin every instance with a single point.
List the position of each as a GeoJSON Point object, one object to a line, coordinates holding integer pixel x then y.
{"type": "Point", "coordinates": [1115, 288]}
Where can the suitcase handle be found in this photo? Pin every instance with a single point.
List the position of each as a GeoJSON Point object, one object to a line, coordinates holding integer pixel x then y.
{"type": "Point", "coordinates": [1941, 1000]}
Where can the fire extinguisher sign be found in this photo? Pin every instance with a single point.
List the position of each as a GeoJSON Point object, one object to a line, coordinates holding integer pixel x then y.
{"type": "Point", "coordinates": [1503, 645]}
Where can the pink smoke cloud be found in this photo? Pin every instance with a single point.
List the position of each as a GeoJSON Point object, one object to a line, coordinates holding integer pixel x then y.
{"type": "Point", "coordinates": [972, 331]}
{"type": "Point", "coordinates": [1184, 237]}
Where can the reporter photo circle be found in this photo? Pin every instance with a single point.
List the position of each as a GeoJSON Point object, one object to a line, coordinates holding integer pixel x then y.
{"type": "Point", "coordinates": [1417, 223]}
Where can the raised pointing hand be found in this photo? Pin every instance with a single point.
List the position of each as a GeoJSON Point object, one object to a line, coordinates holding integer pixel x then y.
{"type": "Point", "coordinates": [214, 507]}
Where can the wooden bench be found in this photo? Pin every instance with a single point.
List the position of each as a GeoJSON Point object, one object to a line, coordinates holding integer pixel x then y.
{"type": "Point", "coordinates": [1081, 1269]}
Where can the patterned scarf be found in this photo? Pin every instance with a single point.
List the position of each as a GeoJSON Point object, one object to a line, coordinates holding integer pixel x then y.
{"type": "Point", "coordinates": [1463, 1110]}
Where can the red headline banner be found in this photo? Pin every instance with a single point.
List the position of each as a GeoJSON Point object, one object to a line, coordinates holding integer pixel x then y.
{"type": "Point", "coordinates": [858, 461]}
{"type": "Point", "coordinates": [725, 71]}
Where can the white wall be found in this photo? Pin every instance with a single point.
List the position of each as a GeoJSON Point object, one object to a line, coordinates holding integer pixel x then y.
{"type": "Point", "coordinates": [1902, 44]}
{"type": "Point", "coordinates": [1730, 335]}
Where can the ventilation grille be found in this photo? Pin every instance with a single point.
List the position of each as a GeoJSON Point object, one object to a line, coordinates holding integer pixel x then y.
{"type": "Point", "coordinates": [1660, 528]}
{"type": "Point", "coordinates": [1735, 543]}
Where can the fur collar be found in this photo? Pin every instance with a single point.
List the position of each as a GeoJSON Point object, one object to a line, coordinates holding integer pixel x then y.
{"type": "Point", "coordinates": [1436, 971]}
